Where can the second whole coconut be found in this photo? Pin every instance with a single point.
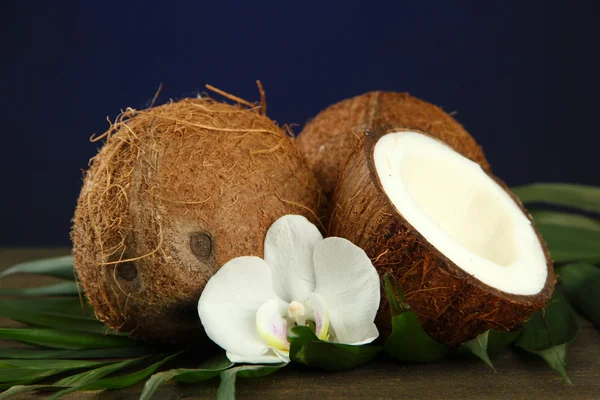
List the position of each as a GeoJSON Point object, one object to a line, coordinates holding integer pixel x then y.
{"type": "Point", "coordinates": [175, 192]}
{"type": "Point", "coordinates": [328, 139]}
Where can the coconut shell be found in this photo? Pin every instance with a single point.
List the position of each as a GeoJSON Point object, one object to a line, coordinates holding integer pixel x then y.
{"type": "Point", "coordinates": [452, 306]}
{"type": "Point", "coordinates": [327, 140]}
{"type": "Point", "coordinates": [175, 192]}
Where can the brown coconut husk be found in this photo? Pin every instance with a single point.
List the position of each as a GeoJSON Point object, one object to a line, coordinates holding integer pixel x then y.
{"type": "Point", "coordinates": [175, 192]}
{"type": "Point", "coordinates": [452, 306]}
{"type": "Point", "coordinates": [327, 140]}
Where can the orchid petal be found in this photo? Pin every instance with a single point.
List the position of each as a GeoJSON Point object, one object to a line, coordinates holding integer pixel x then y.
{"type": "Point", "coordinates": [270, 356]}
{"type": "Point", "coordinates": [289, 247]}
{"type": "Point", "coordinates": [228, 306]}
{"type": "Point", "coordinates": [321, 316]}
{"type": "Point", "coordinates": [372, 334]}
{"type": "Point", "coordinates": [284, 356]}
{"type": "Point", "coordinates": [271, 325]}
{"type": "Point", "coordinates": [349, 284]}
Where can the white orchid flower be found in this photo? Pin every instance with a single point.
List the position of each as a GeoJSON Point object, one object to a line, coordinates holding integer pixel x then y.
{"type": "Point", "coordinates": [250, 305]}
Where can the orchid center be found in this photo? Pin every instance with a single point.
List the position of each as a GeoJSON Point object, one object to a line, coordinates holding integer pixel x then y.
{"type": "Point", "coordinates": [297, 312]}
{"type": "Point", "coordinates": [275, 319]}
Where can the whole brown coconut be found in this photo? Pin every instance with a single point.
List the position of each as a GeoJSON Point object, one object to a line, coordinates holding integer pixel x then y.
{"type": "Point", "coordinates": [327, 140]}
{"type": "Point", "coordinates": [176, 192]}
{"type": "Point", "coordinates": [452, 304]}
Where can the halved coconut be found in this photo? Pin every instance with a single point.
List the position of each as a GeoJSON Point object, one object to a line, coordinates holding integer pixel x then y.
{"type": "Point", "coordinates": [462, 247]}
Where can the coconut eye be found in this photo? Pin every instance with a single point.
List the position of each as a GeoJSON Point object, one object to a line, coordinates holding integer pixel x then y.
{"type": "Point", "coordinates": [201, 245]}
{"type": "Point", "coordinates": [127, 271]}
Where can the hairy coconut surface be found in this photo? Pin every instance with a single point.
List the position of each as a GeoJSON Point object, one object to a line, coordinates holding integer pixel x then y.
{"type": "Point", "coordinates": [327, 140]}
{"type": "Point", "coordinates": [175, 192]}
{"type": "Point", "coordinates": [470, 266]}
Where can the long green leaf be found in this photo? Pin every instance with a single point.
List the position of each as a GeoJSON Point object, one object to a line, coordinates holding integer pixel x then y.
{"type": "Point", "coordinates": [499, 341]}
{"type": "Point", "coordinates": [71, 307]}
{"type": "Point", "coordinates": [64, 339]}
{"type": "Point", "coordinates": [220, 362]}
{"type": "Point", "coordinates": [563, 194]}
{"type": "Point", "coordinates": [488, 344]}
{"type": "Point", "coordinates": [28, 375]}
{"type": "Point", "coordinates": [118, 382]}
{"type": "Point", "coordinates": [409, 342]}
{"type": "Point", "coordinates": [61, 267]}
{"type": "Point", "coordinates": [207, 370]}
{"type": "Point", "coordinates": [57, 289]}
{"type": "Point", "coordinates": [98, 373]}
{"type": "Point", "coordinates": [116, 352]}
{"type": "Point", "coordinates": [564, 219]}
{"type": "Point", "coordinates": [307, 349]}
{"type": "Point", "coordinates": [552, 326]}
{"type": "Point", "coordinates": [48, 364]}
{"type": "Point", "coordinates": [571, 244]}
{"type": "Point", "coordinates": [394, 296]}
{"type": "Point", "coordinates": [478, 347]}
{"type": "Point", "coordinates": [80, 379]}
{"type": "Point", "coordinates": [15, 390]}
{"type": "Point", "coordinates": [581, 285]}
{"type": "Point", "coordinates": [226, 389]}
{"type": "Point", "coordinates": [549, 332]}
{"type": "Point", "coordinates": [556, 357]}
{"type": "Point", "coordinates": [19, 313]}
{"type": "Point", "coordinates": [30, 371]}
{"type": "Point", "coordinates": [18, 376]}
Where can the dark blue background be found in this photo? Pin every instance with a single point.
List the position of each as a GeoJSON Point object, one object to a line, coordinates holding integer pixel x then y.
{"type": "Point", "coordinates": [508, 67]}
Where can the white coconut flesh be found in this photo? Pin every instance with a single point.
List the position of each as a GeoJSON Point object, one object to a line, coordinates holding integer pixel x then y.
{"type": "Point", "coordinates": [461, 211]}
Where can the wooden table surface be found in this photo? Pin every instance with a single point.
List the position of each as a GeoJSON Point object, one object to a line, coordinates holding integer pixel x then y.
{"type": "Point", "coordinates": [519, 376]}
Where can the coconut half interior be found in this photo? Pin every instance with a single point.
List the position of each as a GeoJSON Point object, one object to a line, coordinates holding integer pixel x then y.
{"type": "Point", "coordinates": [461, 211]}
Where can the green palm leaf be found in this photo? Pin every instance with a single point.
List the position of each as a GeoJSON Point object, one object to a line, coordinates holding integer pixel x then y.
{"type": "Point", "coordinates": [57, 289]}
{"type": "Point", "coordinates": [60, 267]}
{"type": "Point", "coordinates": [564, 194]}
{"type": "Point", "coordinates": [64, 339]}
